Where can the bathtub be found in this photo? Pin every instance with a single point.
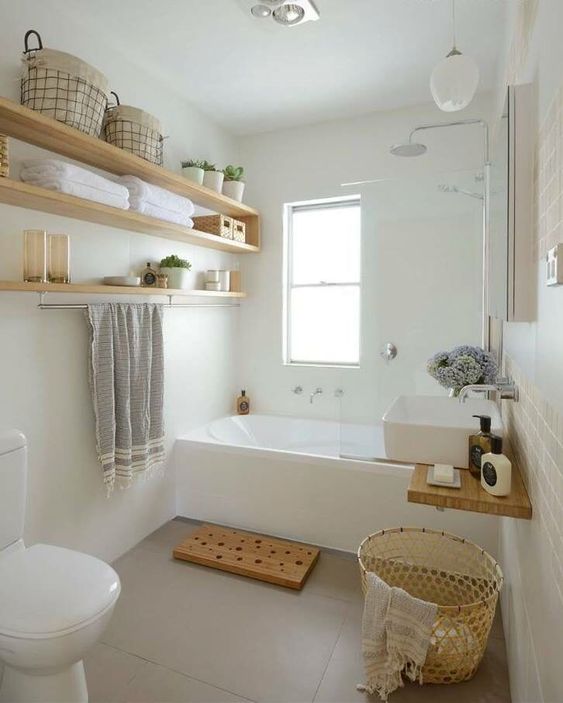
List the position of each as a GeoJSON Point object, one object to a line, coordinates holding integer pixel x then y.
{"type": "Point", "coordinates": [316, 481]}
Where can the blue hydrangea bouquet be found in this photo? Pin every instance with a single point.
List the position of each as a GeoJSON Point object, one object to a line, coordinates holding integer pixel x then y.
{"type": "Point", "coordinates": [462, 366]}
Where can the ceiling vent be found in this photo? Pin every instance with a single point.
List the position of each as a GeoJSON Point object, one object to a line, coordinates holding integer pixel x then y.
{"type": "Point", "coordinates": [288, 13]}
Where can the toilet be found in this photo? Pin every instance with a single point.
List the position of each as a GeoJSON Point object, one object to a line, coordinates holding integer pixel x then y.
{"type": "Point", "coordinates": [54, 603]}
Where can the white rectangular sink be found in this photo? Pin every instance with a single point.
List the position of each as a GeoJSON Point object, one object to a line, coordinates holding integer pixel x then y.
{"type": "Point", "coordinates": [429, 429]}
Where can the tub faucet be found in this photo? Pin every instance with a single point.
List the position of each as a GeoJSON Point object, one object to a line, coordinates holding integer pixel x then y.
{"type": "Point", "coordinates": [318, 391]}
{"type": "Point", "coordinates": [504, 386]}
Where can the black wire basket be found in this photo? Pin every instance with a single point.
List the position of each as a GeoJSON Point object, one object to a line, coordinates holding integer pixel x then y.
{"type": "Point", "coordinates": [134, 130]}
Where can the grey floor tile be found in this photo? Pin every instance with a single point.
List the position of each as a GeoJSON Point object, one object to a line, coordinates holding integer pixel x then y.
{"type": "Point", "coordinates": [168, 536]}
{"type": "Point", "coordinates": [259, 641]}
{"type": "Point", "coordinates": [108, 672]}
{"type": "Point", "coordinates": [335, 577]}
{"type": "Point", "coordinates": [345, 671]}
{"type": "Point", "coordinates": [155, 684]}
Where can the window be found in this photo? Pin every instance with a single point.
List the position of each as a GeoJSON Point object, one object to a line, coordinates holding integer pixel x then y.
{"type": "Point", "coordinates": [322, 291]}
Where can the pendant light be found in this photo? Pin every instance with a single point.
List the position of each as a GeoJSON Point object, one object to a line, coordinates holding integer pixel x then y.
{"type": "Point", "coordinates": [455, 79]}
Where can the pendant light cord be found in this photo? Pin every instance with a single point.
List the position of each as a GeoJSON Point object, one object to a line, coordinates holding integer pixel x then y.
{"type": "Point", "coordinates": [453, 24]}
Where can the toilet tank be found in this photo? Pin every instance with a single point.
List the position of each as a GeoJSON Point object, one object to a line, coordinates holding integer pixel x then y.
{"type": "Point", "coordinates": [13, 480]}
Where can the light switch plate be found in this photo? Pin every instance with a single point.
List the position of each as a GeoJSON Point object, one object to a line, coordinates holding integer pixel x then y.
{"type": "Point", "coordinates": [554, 266]}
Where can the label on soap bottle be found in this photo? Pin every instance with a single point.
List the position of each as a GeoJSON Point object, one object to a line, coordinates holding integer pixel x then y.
{"type": "Point", "coordinates": [489, 474]}
{"type": "Point", "coordinates": [476, 454]}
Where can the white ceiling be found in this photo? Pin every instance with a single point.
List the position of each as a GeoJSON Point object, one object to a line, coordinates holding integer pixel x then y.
{"type": "Point", "coordinates": [253, 75]}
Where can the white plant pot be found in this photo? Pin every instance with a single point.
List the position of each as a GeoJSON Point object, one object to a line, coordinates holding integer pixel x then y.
{"type": "Point", "coordinates": [179, 278]}
{"type": "Point", "coordinates": [213, 180]}
{"type": "Point", "coordinates": [193, 173]}
{"type": "Point", "coordinates": [234, 190]}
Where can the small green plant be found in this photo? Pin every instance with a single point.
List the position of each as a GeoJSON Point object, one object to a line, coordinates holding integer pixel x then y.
{"type": "Point", "coordinates": [191, 163]}
{"type": "Point", "coordinates": [233, 173]}
{"type": "Point", "coordinates": [174, 262]}
{"type": "Point", "coordinates": [206, 166]}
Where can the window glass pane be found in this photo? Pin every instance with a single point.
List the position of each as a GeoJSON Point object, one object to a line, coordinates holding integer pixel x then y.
{"type": "Point", "coordinates": [326, 244]}
{"type": "Point", "coordinates": [325, 325]}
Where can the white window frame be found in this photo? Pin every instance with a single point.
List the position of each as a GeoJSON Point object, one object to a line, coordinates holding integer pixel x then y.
{"type": "Point", "coordinates": [288, 285]}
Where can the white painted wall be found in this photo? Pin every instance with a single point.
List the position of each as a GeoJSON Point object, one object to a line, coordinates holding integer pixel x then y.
{"type": "Point", "coordinates": [532, 606]}
{"type": "Point", "coordinates": [421, 255]}
{"type": "Point", "coordinates": [43, 355]}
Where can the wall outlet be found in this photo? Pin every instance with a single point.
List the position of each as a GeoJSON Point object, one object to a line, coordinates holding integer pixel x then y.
{"type": "Point", "coordinates": [554, 266]}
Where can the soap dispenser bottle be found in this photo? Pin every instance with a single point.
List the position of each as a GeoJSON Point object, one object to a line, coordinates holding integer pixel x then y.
{"type": "Point", "coordinates": [243, 404]}
{"type": "Point", "coordinates": [496, 470]}
{"type": "Point", "coordinates": [479, 444]}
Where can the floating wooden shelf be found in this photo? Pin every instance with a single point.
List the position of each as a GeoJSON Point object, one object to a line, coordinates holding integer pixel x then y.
{"type": "Point", "coordinates": [36, 198]}
{"type": "Point", "coordinates": [34, 128]}
{"type": "Point", "coordinates": [471, 496]}
{"type": "Point", "coordinates": [98, 289]}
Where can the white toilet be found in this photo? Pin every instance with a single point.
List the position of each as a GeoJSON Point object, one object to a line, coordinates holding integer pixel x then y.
{"type": "Point", "coordinates": [54, 602]}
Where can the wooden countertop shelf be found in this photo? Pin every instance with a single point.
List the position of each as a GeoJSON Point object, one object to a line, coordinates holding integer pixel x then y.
{"type": "Point", "coordinates": [99, 289]}
{"type": "Point", "coordinates": [471, 496]}
{"type": "Point", "coordinates": [34, 128]}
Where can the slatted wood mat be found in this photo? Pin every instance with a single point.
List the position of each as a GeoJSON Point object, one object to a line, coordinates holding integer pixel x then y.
{"type": "Point", "coordinates": [248, 554]}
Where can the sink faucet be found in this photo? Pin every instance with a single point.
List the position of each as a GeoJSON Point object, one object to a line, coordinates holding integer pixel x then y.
{"type": "Point", "coordinates": [505, 386]}
{"type": "Point", "coordinates": [318, 391]}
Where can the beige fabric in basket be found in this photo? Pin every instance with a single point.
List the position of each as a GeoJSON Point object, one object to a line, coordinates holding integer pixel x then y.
{"type": "Point", "coordinates": [66, 63]}
{"type": "Point", "coordinates": [396, 632]}
{"type": "Point", "coordinates": [134, 114]}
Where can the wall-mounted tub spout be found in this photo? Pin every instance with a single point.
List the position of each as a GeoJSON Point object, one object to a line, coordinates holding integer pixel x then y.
{"type": "Point", "coordinates": [318, 391]}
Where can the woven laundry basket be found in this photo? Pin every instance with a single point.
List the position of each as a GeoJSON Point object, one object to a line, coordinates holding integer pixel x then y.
{"type": "Point", "coordinates": [134, 130]}
{"type": "Point", "coordinates": [64, 87]}
{"type": "Point", "coordinates": [460, 577]}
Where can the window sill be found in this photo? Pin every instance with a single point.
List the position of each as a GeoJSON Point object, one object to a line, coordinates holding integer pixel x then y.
{"type": "Point", "coordinates": [320, 365]}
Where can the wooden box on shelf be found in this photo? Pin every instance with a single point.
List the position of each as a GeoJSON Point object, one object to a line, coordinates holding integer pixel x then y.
{"type": "Point", "coordinates": [239, 231]}
{"type": "Point", "coordinates": [221, 225]}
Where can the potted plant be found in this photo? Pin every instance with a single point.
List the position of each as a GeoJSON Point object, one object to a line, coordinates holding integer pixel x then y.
{"type": "Point", "coordinates": [193, 170]}
{"type": "Point", "coordinates": [233, 185]}
{"type": "Point", "coordinates": [177, 270]}
{"type": "Point", "coordinates": [212, 178]}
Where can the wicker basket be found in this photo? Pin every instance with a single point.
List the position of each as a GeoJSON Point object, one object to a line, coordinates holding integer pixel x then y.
{"type": "Point", "coordinates": [64, 87]}
{"type": "Point", "coordinates": [239, 231]}
{"type": "Point", "coordinates": [134, 130]}
{"type": "Point", "coordinates": [222, 225]}
{"type": "Point", "coordinates": [4, 163]}
{"type": "Point", "coordinates": [461, 578]}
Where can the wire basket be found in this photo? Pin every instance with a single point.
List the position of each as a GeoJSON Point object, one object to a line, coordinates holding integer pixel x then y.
{"type": "Point", "coordinates": [134, 130]}
{"type": "Point", "coordinates": [461, 578]}
{"type": "Point", "coordinates": [4, 162]}
{"type": "Point", "coordinates": [63, 86]}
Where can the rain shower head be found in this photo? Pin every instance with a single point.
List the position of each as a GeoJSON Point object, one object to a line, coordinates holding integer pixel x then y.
{"type": "Point", "coordinates": [408, 149]}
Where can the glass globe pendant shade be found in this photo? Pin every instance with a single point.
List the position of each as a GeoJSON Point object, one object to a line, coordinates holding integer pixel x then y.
{"type": "Point", "coordinates": [260, 11]}
{"type": "Point", "coordinates": [289, 14]}
{"type": "Point", "coordinates": [454, 82]}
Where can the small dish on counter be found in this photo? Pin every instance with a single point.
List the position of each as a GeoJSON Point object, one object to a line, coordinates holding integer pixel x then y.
{"type": "Point", "coordinates": [130, 281]}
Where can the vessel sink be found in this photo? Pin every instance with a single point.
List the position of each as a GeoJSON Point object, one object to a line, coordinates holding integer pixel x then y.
{"type": "Point", "coordinates": [428, 429]}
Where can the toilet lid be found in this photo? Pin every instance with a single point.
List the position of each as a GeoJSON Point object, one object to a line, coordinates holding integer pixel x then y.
{"type": "Point", "coordinates": [47, 590]}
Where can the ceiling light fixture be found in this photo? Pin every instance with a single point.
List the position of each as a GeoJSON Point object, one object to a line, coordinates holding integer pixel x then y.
{"type": "Point", "coordinates": [288, 13]}
{"type": "Point", "coordinates": [454, 79]}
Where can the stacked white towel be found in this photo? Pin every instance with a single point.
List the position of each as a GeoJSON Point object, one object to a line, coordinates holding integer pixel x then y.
{"type": "Point", "coordinates": [157, 202]}
{"type": "Point", "coordinates": [74, 180]}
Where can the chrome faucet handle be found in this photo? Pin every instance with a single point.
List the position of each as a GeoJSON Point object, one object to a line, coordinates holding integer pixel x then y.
{"type": "Point", "coordinates": [298, 390]}
{"type": "Point", "coordinates": [338, 393]}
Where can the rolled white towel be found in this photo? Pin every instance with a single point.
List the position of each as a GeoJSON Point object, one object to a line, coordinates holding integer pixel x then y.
{"type": "Point", "coordinates": [38, 170]}
{"type": "Point", "coordinates": [154, 195]}
{"type": "Point", "coordinates": [160, 213]}
{"type": "Point", "coordinates": [81, 190]}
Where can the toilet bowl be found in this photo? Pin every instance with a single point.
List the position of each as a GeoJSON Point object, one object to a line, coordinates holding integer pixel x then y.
{"type": "Point", "coordinates": [54, 602]}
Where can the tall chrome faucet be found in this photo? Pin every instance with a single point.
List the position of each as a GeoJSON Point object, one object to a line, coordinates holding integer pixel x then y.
{"type": "Point", "coordinates": [504, 386]}
{"type": "Point", "coordinates": [318, 391]}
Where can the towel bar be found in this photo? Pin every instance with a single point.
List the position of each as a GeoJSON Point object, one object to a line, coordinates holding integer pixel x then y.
{"type": "Point", "coordinates": [82, 306]}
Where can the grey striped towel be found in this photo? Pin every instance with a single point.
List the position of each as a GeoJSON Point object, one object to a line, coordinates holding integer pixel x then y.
{"type": "Point", "coordinates": [127, 384]}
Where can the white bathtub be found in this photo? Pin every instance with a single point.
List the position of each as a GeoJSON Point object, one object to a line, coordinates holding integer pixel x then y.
{"type": "Point", "coordinates": [311, 480]}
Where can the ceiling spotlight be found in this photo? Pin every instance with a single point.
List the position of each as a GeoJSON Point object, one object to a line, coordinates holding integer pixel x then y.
{"type": "Point", "coordinates": [261, 11]}
{"type": "Point", "coordinates": [289, 14]}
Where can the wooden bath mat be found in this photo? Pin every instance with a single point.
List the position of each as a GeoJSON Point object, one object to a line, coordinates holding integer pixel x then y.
{"type": "Point", "coordinates": [248, 554]}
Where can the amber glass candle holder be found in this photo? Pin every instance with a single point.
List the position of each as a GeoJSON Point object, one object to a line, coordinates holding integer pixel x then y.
{"type": "Point", "coordinates": [59, 258]}
{"type": "Point", "coordinates": [35, 255]}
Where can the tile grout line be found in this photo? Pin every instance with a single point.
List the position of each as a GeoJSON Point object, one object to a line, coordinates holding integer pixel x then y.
{"type": "Point", "coordinates": [331, 655]}
{"type": "Point", "coordinates": [175, 671]}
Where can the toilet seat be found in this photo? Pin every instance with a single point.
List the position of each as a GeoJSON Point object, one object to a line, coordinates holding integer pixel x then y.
{"type": "Point", "coordinates": [48, 591]}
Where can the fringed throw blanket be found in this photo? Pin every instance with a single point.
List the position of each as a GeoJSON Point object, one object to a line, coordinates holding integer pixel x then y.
{"type": "Point", "coordinates": [127, 380]}
{"type": "Point", "coordinates": [396, 630]}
